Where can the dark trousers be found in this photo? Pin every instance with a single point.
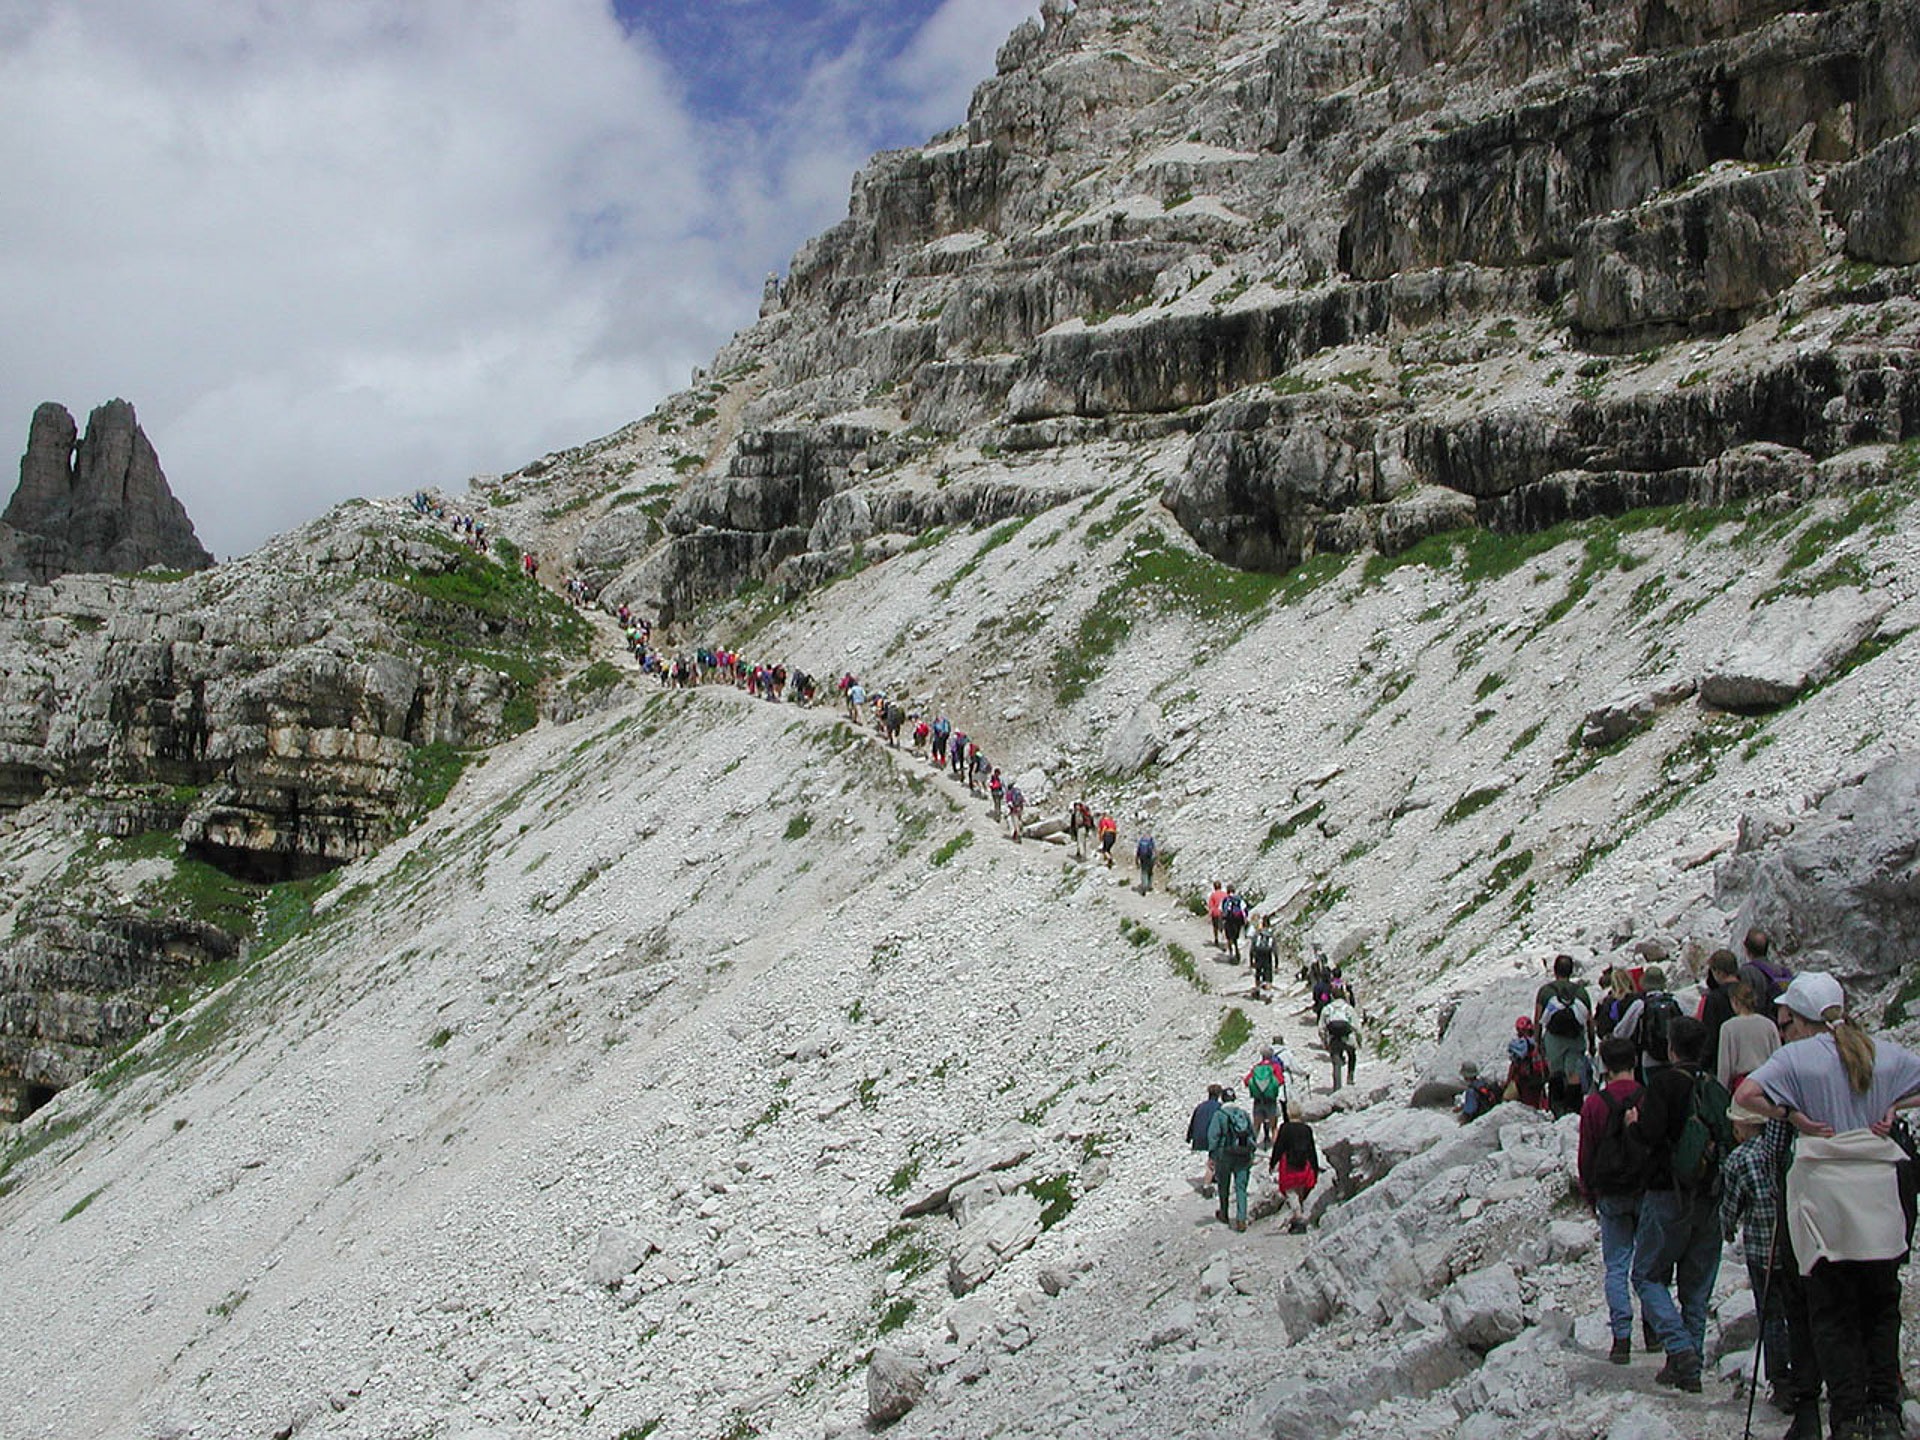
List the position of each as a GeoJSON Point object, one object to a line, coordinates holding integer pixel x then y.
{"type": "Point", "coordinates": [1803, 1373]}
{"type": "Point", "coordinates": [1853, 1307]}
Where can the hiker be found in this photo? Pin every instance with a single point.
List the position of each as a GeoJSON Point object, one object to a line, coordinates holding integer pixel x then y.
{"type": "Point", "coordinates": [1746, 1040]}
{"type": "Point", "coordinates": [1716, 1001]}
{"type": "Point", "coordinates": [1197, 1139]}
{"type": "Point", "coordinates": [1617, 981]}
{"type": "Point", "coordinates": [1340, 1033]}
{"type": "Point", "coordinates": [1649, 1020]}
{"type": "Point", "coordinates": [1676, 1252]}
{"type": "Point", "coordinates": [1264, 1083]}
{"type": "Point", "coordinates": [1477, 1095]}
{"type": "Point", "coordinates": [1230, 1142]}
{"type": "Point", "coordinates": [1296, 1169]}
{"type": "Point", "coordinates": [1215, 895]}
{"type": "Point", "coordinates": [1612, 1170]}
{"type": "Point", "coordinates": [977, 768]}
{"type": "Point", "coordinates": [1080, 826]}
{"type": "Point", "coordinates": [1563, 1019]}
{"type": "Point", "coordinates": [1144, 851]}
{"type": "Point", "coordinates": [1749, 1208]}
{"type": "Point", "coordinates": [1016, 808]}
{"type": "Point", "coordinates": [996, 791]}
{"type": "Point", "coordinates": [1260, 945]}
{"type": "Point", "coordinates": [1768, 977]}
{"type": "Point", "coordinates": [1233, 919]}
{"type": "Point", "coordinates": [1109, 829]}
{"type": "Point", "coordinates": [1840, 1089]}
{"type": "Point", "coordinates": [1526, 1066]}
{"type": "Point", "coordinates": [856, 697]}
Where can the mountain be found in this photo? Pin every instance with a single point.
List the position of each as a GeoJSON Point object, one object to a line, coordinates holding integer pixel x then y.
{"type": "Point", "coordinates": [1448, 470]}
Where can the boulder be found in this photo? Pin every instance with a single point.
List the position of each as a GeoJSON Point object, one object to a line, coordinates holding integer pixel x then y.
{"type": "Point", "coordinates": [895, 1383]}
{"type": "Point", "coordinates": [991, 1238]}
{"type": "Point", "coordinates": [1839, 879]}
{"type": "Point", "coordinates": [1482, 1308]}
{"type": "Point", "coordinates": [1135, 742]}
{"type": "Point", "coordinates": [1613, 720]}
{"type": "Point", "coordinates": [617, 1253]}
{"type": "Point", "coordinates": [1001, 1150]}
{"type": "Point", "coordinates": [1790, 646]}
{"type": "Point", "coordinates": [1480, 1027]}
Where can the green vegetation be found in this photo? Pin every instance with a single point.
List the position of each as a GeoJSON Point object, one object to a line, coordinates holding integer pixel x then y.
{"type": "Point", "coordinates": [895, 1315]}
{"type": "Point", "coordinates": [81, 1204]}
{"type": "Point", "coordinates": [1180, 959]}
{"type": "Point", "coordinates": [1055, 1194]}
{"type": "Point", "coordinates": [1135, 933]}
{"type": "Point", "coordinates": [600, 675]}
{"type": "Point", "coordinates": [432, 770]}
{"type": "Point", "coordinates": [1283, 830]}
{"type": "Point", "coordinates": [1231, 1037]}
{"type": "Point", "coordinates": [952, 847]}
{"type": "Point", "coordinates": [1472, 803]}
{"type": "Point", "coordinates": [798, 826]}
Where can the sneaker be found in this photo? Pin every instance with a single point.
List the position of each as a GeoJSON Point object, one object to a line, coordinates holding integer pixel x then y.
{"type": "Point", "coordinates": [1622, 1351]}
{"type": "Point", "coordinates": [1682, 1372]}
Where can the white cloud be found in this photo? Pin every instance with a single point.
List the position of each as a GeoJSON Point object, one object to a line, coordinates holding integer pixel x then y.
{"type": "Point", "coordinates": [339, 247]}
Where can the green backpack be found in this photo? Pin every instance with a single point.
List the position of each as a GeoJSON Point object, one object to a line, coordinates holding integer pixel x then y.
{"type": "Point", "coordinates": [1706, 1137]}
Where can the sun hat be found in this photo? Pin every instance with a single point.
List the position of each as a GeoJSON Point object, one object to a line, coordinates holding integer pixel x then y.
{"type": "Point", "coordinates": [1812, 994]}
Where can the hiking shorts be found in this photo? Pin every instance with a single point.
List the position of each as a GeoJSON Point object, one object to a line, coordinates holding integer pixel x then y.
{"type": "Point", "coordinates": [1563, 1054]}
{"type": "Point", "coordinates": [1266, 1109]}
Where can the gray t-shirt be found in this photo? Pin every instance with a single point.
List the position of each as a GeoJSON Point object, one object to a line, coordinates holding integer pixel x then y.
{"type": "Point", "coordinates": [1808, 1075]}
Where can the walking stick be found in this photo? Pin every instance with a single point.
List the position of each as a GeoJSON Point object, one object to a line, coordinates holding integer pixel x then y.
{"type": "Point", "coordinates": [1760, 1339]}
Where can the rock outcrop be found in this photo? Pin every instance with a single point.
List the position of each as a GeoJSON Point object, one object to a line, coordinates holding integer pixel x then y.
{"type": "Point", "coordinates": [98, 504]}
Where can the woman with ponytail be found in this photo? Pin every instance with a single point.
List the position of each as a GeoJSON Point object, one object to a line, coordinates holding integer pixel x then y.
{"type": "Point", "coordinates": [1839, 1088]}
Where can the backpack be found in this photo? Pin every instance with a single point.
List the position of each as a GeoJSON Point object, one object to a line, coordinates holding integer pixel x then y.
{"type": "Point", "coordinates": [1263, 1083]}
{"type": "Point", "coordinates": [1706, 1136]}
{"type": "Point", "coordinates": [1565, 1015]}
{"type": "Point", "coordinates": [1618, 1162]}
{"type": "Point", "coordinates": [1658, 1011]}
{"type": "Point", "coordinates": [1338, 1029]}
{"type": "Point", "coordinates": [1478, 1098]}
{"type": "Point", "coordinates": [1777, 978]}
{"type": "Point", "coordinates": [1144, 850]}
{"type": "Point", "coordinates": [1236, 1148]}
{"type": "Point", "coordinates": [1235, 906]}
{"type": "Point", "coordinates": [1261, 944]}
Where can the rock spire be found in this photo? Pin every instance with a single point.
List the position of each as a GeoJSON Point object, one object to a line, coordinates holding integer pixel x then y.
{"type": "Point", "coordinates": [101, 504]}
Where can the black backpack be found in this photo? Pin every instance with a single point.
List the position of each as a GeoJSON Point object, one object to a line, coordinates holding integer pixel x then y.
{"type": "Point", "coordinates": [1658, 1011]}
{"type": "Point", "coordinates": [1618, 1163]}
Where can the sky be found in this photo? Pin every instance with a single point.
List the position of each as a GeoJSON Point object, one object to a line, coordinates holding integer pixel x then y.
{"type": "Point", "coordinates": [331, 248]}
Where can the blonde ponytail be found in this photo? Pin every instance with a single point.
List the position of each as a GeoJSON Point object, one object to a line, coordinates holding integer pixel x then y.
{"type": "Point", "coordinates": [1855, 1047]}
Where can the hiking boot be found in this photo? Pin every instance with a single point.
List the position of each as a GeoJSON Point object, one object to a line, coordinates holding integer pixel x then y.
{"type": "Point", "coordinates": [1855, 1427]}
{"type": "Point", "coordinates": [1298, 1227]}
{"type": "Point", "coordinates": [1622, 1351]}
{"type": "Point", "coordinates": [1682, 1371]}
{"type": "Point", "coordinates": [1806, 1422]}
{"type": "Point", "coordinates": [1240, 1227]}
{"type": "Point", "coordinates": [1884, 1423]}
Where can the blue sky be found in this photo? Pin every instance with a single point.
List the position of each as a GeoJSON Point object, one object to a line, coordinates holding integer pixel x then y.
{"type": "Point", "coordinates": [342, 247]}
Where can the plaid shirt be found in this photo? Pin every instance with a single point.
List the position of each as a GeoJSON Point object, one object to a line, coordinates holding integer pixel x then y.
{"type": "Point", "coordinates": [1750, 1190]}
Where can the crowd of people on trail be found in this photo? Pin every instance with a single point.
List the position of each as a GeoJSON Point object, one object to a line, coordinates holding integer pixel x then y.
{"type": "Point", "coordinates": [1232, 1140]}
{"type": "Point", "coordinates": [468, 531]}
{"type": "Point", "coordinates": [1763, 1115]}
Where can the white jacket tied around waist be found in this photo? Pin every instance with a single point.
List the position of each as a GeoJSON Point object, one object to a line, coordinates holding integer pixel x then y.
{"type": "Point", "coordinates": [1843, 1199]}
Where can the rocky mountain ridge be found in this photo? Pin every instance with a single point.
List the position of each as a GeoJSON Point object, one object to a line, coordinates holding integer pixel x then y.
{"type": "Point", "coordinates": [702, 1067]}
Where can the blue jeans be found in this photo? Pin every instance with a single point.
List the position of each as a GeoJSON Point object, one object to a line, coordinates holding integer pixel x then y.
{"type": "Point", "coordinates": [1619, 1218]}
{"type": "Point", "coordinates": [1677, 1244]}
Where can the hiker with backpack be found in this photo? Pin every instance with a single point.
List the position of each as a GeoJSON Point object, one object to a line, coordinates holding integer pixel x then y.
{"type": "Point", "coordinates": [1261, 946]}
{"type": "Point", "coordinates": [1266, 1082]}
{"type": "Point", "coordinates": [1109, 829]}
{"type": "Point", "coordinates": [1648, 1022]}
{"type": "Point", "coordinates": [1612, 1168]}
{"type": "Point", "coordinates": [1144, 852]}
{"type": "Point", "coordinates": [1016, 811]}
{"type": "Point", "coordinates": [1233, 919]}
{"type": "Point", "coordinates": [1230, 1143]}
{"type": "Point", "coordinates": [1477, 1093]}
{"type": "Point", "coordinates": [1340, 1033]}
{"type": "Point", "coordinates": [1296, 1169]}
{"type": "Point", "coordinates": [1768, 977]}
{"type": "Point", "coordinates": [1681, 1119]}
{"type": "Point", "coordinates": [1215, 894]}
{"type": "Point", "coordinates": [1844, 1225]}
{"type": "Point", "coordinates": [1080, 826]}
{"type": "Point", "coordinates": [1198, 1129]}
{"type": "Point", "coordinates": [1620, 991]}
{"type": "Point", "coordinates": [1716, 999]}
{"type": "Point", "coordinates": [1563, 1019]}
{"type": "Point", "coordinates": [1526, 1067]}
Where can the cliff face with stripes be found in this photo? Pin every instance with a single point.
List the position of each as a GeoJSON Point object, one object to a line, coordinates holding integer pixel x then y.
{"type": "Point", "coordinates": [1446, 470]}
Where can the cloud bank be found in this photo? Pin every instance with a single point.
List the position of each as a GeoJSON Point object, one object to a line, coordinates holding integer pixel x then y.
{"type": "Point", "coordinates": [342, 247]}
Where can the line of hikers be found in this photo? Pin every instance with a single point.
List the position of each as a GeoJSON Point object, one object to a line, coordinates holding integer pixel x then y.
{"type": "Point", "coordinates": [1231, 1140]}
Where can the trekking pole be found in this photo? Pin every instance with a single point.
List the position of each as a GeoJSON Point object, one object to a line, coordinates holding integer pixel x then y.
{"type": "Point", "coordinates": [1760, 1337]}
